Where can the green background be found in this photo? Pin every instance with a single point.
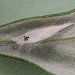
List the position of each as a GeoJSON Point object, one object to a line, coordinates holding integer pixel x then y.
{"type": "Point", "coordinates": [16, 66]}
{"type": "Point", "coordinates": [11, 10]}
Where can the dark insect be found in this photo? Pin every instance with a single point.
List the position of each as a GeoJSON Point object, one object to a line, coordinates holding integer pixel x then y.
{"type": "Point", "coordinates": [25, 38]}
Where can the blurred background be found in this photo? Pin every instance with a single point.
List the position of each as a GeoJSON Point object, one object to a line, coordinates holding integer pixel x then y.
{"type": "Point", "coordinates": [11, 10]}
